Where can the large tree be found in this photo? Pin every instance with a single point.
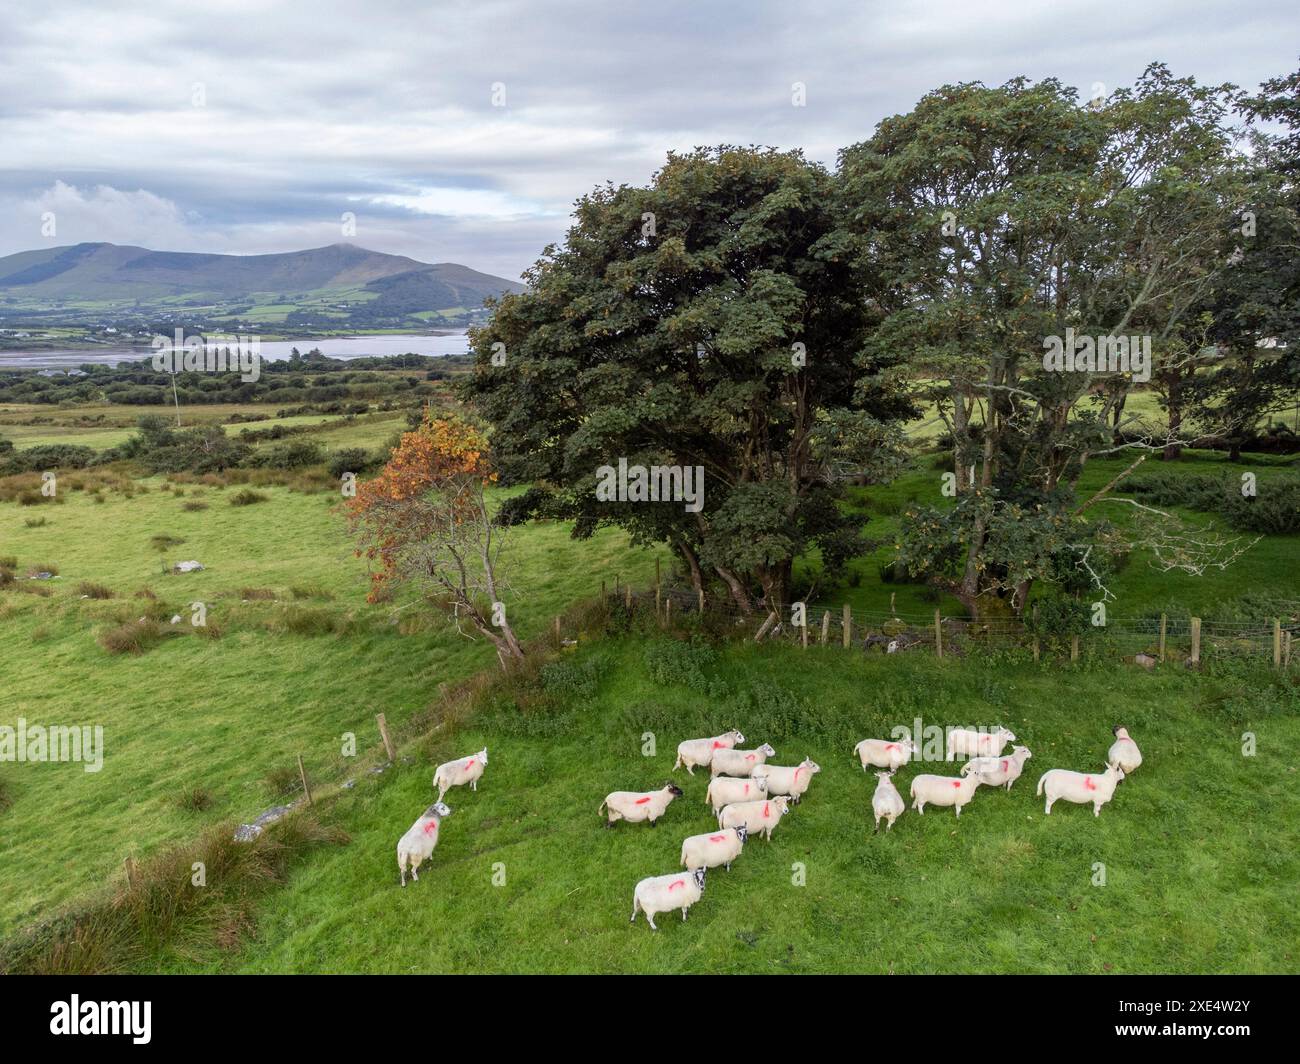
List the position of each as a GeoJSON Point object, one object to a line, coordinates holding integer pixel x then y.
{"type": "Point", "coordinates": [992, 219]}
{"type": "Point", "coordinates": [712, 319]}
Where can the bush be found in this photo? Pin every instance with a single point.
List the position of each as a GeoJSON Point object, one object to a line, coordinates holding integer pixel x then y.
{"type": "Point", "coordinates": [350, 460]}
{"type": "Point", "coordinates": [255, 593]}
{"type": "Point", "coordinates": [194, 799]}
{"type": "Point", "coordinates": [247, 497]}
{"type": "Point", "coordinates": [297, 454]}
{"type": "Point", "coordinates": [194, 505]}
{"type": "Point", "coordinates": [134, 637]}
{"type": "Point", "coordinates": [95, 591]}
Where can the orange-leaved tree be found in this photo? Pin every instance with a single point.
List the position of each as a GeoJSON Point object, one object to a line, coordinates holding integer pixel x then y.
{"type": "Point", "coordinates": [425, 520]}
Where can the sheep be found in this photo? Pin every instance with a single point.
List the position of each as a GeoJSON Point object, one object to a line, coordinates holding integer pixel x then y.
{"type": "Point", "coordinates": [663, 894]}
{"type": "Point", "coordinates": [698, 753]}
{"type": "Point", "coordinates": [977, 744]}
{"type": "Point", "coordinates": [420, 839]}
{"type": "Point", "coordinates": [636, 806]}
{"type": "Point", "coordinates": [885, 753]}
{"type": "Point", "coordinates": [998, 771]}
{"type": "Point", "coordinates": [943, 790]}
{"type": "Point", "coordinates": [723, 790]}
{"type": "Point", "coordinates": [712, 849]}
{"type": "Point", "coordinates": [1080, 787]}
{"type": "Point", "coordinates": [1124, 751]}
{"type": "Point", "coordinates": [459, 772]}
{"type": "Point", "coordinates": [886, 802]}
{"type": "Point", "coordinates": [739, 762]}
{"type": "Point", "coordinates": [788, 780]}
{"type": "Point", "coordinates": [756, 816]}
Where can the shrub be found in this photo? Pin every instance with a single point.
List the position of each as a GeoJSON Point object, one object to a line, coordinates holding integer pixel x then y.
{"type": "Point", "coordinates": [256, 593]}
{"type": "Point", "coordinates": [350, 460]}
{"type": "Point", "coordinates": [95, 591]}
{"type": "Point", "coordinates": [194, 505]}
{"type": "Point", "coordinates": [247, 497]}
{"type": "Point", "coordinates": [35, 522]}
{"type": "Point", "coordinates": [47, 567]}
{"type": "Point", "coordinates": [134, 637]}
{"type": "Point", "coordinates": [8, 561]}
{"type": "Point", "coordinates": [194, 799]}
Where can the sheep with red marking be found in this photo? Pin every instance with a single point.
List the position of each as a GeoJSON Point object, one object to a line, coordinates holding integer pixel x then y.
{"type": "Point", "coordinates": [757, 817]}
{"type": "Point", "coordinates": [460, 772]}
{"type": "Point", "coordinates": [714, 848]}
{"type": "Point", "coordinates": [891, 754]}
{"type": "Point", "coordinates": [739, 762]}
{"type": "Point", "coordinates": [663, 894]}
{"type": "Point", "coordinates": [638, 806]}
{"type": "Point", "coordinates": [418, 843]}
{"type": "Point", "coordinates": [998, 771]}
{"type": "Point", "coordinates": [792, 780]}
{"type": "Point", "coordinates": [1124, 752]}
{"type": "Point", "coordinates": [943, 791]}
{"type": "Point", "coordinates": [698, 753]}
{"type": "Point", "coordinates": [887, 804]}
{"type": "Point", "coordinates": [971, 742]}
{"type": "Point", "coordinates": [723, 790]}
{"type": "Point", "coordinates": [1081, 788]}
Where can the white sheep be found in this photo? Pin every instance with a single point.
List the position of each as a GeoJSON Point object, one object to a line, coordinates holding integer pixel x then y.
{"type": "Point", "coordinates": [420, 839]}
{"type": "Point", "coordinates": [636, 806]}
{"type": "Point", "coordinates": [885, 753]}
{"type": "Point", "coordinates": [973, 743]}
{"type": "Point", "coordinates": [714, 848]}
{"type": "Point", "coordinates": [739, 762]}
{"type": "Point", "coordinates": [886, 802]}
{"type": "Point", "coordinates": [788, 780]}
{"type": "Point", "coordinates": [698, 753]}
{"type": "Point", "coordinates": [998, 771]}
{"type": "Point", "coordinates": [1080, 788]}
{"type": "Point", "coordinates": [755, 816]}
{"type": "Point", "coordinates": [460, 772]}
{"type": "Point", "coordinates": [944, 791]}
{"type": "Point", "coordinates": [663, 894]}
{"type": "Point", "coordinates": [723, 790]}
{"type": "Point", "coordinates": [1124, 752]}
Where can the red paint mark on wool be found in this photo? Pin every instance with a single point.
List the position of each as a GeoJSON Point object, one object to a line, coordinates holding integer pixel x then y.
{"type": "Point", "coordinates": [642, 801]}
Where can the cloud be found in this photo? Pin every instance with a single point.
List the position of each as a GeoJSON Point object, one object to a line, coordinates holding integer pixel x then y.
{"type": "Point", "coordinates": [387, 110]}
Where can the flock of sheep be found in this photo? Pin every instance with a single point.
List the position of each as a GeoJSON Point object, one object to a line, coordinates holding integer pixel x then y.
{"type": "Point", "coordinates": [750, 797]}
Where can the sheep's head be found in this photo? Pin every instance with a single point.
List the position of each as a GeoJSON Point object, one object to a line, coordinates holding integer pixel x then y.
{"type": "Point", "coordinates": [1007, 734]}
{"type": "Point", "coordinates": [811, 765]}
{"type": "Point", "coordinates": [674, 790]}
{"type": "Point", "coordinates": [884, 776]}
{"type": "Point", "coordinates": [437, 809]}
{"type": "Point", "coordinates": [761, 783]}
{"type": "Point", "coordinates": [698, 875]}
{"type": "Point", "coordinates": [1022, 752]}
{"type": "Point", "coordinates": [735, 736]}
{"type": "Point", "coordinates": [782, 803]}
{"type": "Point", "coordinates": [910, 746]}
{"type": "Point", "coordinates": [766, 749]}
{"type": "Point", "coordinates": [967, 768]}
{"type": "Point", "coordinates": [1113, 769]}
{"type": "Point", "coordinates": [742, 833]}
{"type": "Point", "coordinates": [483, 754]}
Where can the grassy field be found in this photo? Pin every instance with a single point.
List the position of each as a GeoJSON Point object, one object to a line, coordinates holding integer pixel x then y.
{"type": "Point", "coordinates": [1195, 846]}
{"type": "Point", "coordinates": [220, 714]}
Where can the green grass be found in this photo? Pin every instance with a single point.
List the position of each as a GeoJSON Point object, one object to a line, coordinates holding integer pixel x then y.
{"type": "Point", "coordinates": [218, 713]}
{"type": "Point", "coordinates": [1198, 846]}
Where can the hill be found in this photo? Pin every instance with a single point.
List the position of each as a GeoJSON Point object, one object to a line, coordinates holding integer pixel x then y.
{"type": "Point", "coordinates": [341, 283]}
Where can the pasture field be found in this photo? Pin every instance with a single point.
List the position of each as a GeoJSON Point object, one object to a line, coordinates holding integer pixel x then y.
{"type": "Point", "coordinates": [1197, 846]}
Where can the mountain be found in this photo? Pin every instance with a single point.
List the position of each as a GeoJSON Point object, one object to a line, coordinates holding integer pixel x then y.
{"type": "Point", "coordinates": [339, 281]}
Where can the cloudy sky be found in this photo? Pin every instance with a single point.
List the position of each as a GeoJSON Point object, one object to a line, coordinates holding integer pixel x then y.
{"type": "Point", "coordinates": [255, 126]}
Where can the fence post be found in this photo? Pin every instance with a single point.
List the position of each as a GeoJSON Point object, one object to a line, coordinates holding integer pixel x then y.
{"type": "Point", "coordinates": [803, 629]}
{"type": "Point", "coordinates": [848, 626]}
{"type": "Point", "coordinates": [668, 611]}
{"type": "Point", "coordinates": [1277, 642]}
{"type": "Point", "coordinates": [1037, 645]}
{"type": "Point", "coordinates": [701, 602]}
{"type": "Point", "coordinates": [602, 592]}
{"type": "Point", "coordinates": [129, 865]}
{"type": "Point", "coordinates": [627, 596]}
{"type": "Point", "coordinates": [558, 641]}
{"type": "Point", "coordinates": [306, 787]}
{"type": "Point", "coordinates": [383, 734]}
{"type": "Point", "coordinates": [826, 626]}
{"type": "Point", "coordinates": [1196, 640]}
{"type": "Point", "coordinates": [1286, 654]}
{"type": "Point", "coordinates": [1164, 627]}
{"type": "Point", "coordinates": [1074, 648]}
{"type": "Point", "coordinates": [658, 591]}
{"type": "Point", "coordinates": [938, 635]}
